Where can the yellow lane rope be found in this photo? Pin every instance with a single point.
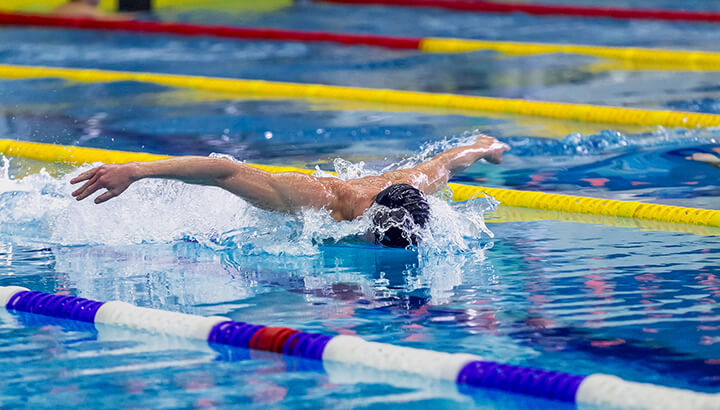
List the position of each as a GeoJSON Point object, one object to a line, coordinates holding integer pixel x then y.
{"type": "Point", "coordinates": [578, 112]}
{"type": "Point", "coordinates": [686, 59]}
{"type": "Point", "coordinates": [515, 214]}
{"type": "Point", "coordinates": [595, 206]}
{"type": "Point", "coordinates": [509, 197]}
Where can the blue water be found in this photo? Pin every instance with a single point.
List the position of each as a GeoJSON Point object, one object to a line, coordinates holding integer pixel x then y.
{"type": "Point", "coordinates": [638, 301]}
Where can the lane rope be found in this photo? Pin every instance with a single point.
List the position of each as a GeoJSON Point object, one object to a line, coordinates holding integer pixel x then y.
{"type": "Point", "coordinates": [668, 59]}
{"type": "Point", "coordinates": [506, 213]}
{"type": "Point", "coordinates": [184, 29]}
{"type": "Point", "coordinates": [566, 111]}
{"type": "Point", "coordinates": [546, 9]}
{"type": "Point", "coordinates": [464, 369]}
{"type": "Point", "coordinates": [509, 197]}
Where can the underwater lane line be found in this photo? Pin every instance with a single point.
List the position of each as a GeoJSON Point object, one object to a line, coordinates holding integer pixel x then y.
{"type": "Point", "coordinates": [545, 9]}
{"type": "Point", "coordinates": [667, 59]}
{"type": "Point", "coordinates": [508, 197]}
{"type": "Point", "coordinates": [565, 111]}
{"type": "Point", "coordinates": [599, 390]}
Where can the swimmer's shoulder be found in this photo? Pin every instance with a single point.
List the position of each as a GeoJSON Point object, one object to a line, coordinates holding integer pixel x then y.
{"type": "Point", "coordinates": [350, 198]}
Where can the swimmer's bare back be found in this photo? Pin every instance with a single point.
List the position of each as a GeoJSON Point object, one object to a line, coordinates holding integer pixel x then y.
{"type": "Point", "coordinates": [288, 191]}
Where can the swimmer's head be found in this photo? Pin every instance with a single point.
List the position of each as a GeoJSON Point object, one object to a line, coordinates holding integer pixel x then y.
{"type": "Point", "coordinates": [405, 209]}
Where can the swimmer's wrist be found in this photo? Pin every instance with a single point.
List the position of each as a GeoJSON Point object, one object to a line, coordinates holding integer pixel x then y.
{"type": "Point", "coordinates": [138, 170]}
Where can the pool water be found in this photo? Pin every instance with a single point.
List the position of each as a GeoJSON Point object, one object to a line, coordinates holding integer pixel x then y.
{"type": "Point", "coordinates": [520, 287]}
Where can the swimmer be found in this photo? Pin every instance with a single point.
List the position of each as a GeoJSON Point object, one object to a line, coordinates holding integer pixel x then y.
{"type": "Point", "coordinates": [709, 159]}
{"type": "Point", "coordinates": [85, 9]}
{"type": "Point", "coordinates": [401, 192]}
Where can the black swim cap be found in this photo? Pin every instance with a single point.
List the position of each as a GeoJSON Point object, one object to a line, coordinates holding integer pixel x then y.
{"type": "Point", "coordinates": [407, 206]}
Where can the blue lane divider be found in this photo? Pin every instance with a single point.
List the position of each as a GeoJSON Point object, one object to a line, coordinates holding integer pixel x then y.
{"type": "Point", "coordinates": [61, 306]}
{"type": "Point", "coordinates": [534, 382]}
{"type": "Point", "coordinates": [464, 369]}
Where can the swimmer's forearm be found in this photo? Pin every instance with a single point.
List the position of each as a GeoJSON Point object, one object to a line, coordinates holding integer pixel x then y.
{"type": "Point", "coordinates": [438, 171]}
{"type": "Point", "coordinates": [444, 165]}
{"type": "Point", "coordinates": [192, 170]}
{"type": "Point", "coordinates": [457, 159]}
{"type": "Point", "coordinates": [252, 184]}
{"type": "Point", "coordinates": [278, 192]}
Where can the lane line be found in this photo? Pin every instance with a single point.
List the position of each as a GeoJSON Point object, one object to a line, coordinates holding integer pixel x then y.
{"type": "Point", "coordinates": [565, 111]}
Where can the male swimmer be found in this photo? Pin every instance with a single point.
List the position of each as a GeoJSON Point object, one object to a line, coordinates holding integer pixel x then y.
{"type": "Point", "coordinates": [400, 192]}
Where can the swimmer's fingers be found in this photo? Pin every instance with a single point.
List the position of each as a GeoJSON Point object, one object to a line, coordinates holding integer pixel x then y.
{"type": "Point", "coordinates": [88, 189]}
{"type": "Point", "coordinates": [494, 155]}
{"type": "Point", "coordinates": [104, 197]}
{"type": "Point", "coordinates": [494, 158]}
{"type": "Point", "coordinates": [717, 150]}
{"type": "Point", "coordinates": [484, 141]}
{"type": "Point", "coordinates": [85, 186]}
{"type": "Point", "coordinates": [491, 144]}
{"type": "Point", "coordinates": [84, 176]}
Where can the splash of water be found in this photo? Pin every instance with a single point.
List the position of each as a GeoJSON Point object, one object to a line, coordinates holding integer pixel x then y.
{"type": "Point", "coordinates": [40, 208]}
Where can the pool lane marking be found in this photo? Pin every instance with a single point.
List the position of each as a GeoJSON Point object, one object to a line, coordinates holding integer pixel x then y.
{"type": "Point", "coordinates": [509, 197]}
{"type": "Point", "coordinates": [545, 9]}
{"type": "Point", "coordinates": [667, 59]}
{"type": "Point", "coordinates": [566, 111]}
{"type": "Point", "coordinates": [694, 60]}
{"type": "Point", "coordinates": [599, 390]}
{"type": "Point", "coordinates": [186, 29]}
{"type": "Point", "coordinates": [506, 213]}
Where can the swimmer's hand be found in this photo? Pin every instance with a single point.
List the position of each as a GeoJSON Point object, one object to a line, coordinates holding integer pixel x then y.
{"type": "Point", "coordinates": [116, 178]}
{"type": "Point", "coordinates": [709, 159]}
{"type": "Point", "coordinates": [493, 149]}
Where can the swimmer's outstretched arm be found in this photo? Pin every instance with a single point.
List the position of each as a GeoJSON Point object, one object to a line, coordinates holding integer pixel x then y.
{"type": "Point", "coordinates": [286, 192]}
{"type": "Point", "coordinates": [433, 175]}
